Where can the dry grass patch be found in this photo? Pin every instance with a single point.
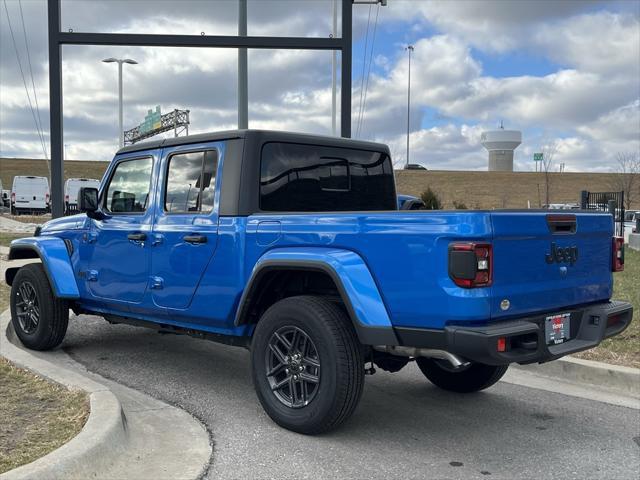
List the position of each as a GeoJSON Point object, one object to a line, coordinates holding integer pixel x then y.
{"type": "Point", "coordinates": [36, 416]}
{"type": "Point", "coordinates": [5, 290]}
{"type": "Point", "coordinates": [6, 238]}
{"type": "Point", "coordinates": [625, 348]}
{"type": "Point", "coordinates": [38, 219]}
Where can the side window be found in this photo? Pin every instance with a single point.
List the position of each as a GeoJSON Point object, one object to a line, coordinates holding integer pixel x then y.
{"type": "Point", "coordinates": [191, 182]}
{"type": "Point", "coordinates": [312, 178]}
{"type": "Point", "coordinates": [128, 190]}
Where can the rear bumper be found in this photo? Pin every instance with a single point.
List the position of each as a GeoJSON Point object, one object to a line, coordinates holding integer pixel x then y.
{"type": "Point", "coordinates": [525, 337]}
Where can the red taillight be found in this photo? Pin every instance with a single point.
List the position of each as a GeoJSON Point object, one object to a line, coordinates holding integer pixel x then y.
{"type": "Point", "coordinates": [470, 264]}
{"type": "Point", "coordinates": [502, 344]}
{"type": "Point", "coordinates": [66, 198]}
{"type": "Point", "coordinates": [617, 250]}
{"type": "Point", "coordinates": [13, 196]}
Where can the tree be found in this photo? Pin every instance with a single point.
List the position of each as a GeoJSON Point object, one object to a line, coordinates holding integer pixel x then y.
{"type": "Point", "coordinates": [627, 178]}
{"type": "Point", "coordinates": [431, 200]}
{"type": "Point", "coordinates": [548, 152]}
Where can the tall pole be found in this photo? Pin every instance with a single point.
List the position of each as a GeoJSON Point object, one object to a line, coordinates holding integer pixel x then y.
{"type": "Point", "coordinates": [120, 119]}
{"type": "Point", "coordinates": [120, 61]}
{"type": "Point", "coordinates": [55, 109]}
{"type": "Point", "coordinates": [409, 49]}
{"type": "Point", "coordinates": [345, 69]}
{"type": "Point", "coordinates": [334, 66]}
{"type": "Point", "coordinates": [243, 81]}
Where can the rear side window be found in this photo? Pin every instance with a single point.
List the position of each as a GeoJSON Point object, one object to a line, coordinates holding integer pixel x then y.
{"type": "Point", "coordinates": [128, 190]}
{"type": "Point", "coordinates": [310, 178]}
{"type": "Point", "coordinates": [191, 182]}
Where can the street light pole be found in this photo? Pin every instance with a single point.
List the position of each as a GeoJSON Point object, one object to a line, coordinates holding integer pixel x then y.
{"type": "Point", "coordinates": [409, 48]}
{"type": "Point", "coordinates": [120, 61]}
{"type": "Point", "coordinates": [334, 66]}
{"type": "Point", "coordinates": [243, 69]}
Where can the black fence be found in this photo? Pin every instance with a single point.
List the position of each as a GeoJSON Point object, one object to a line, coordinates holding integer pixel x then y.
{"type": "Point", "coordinates": [612, 202]}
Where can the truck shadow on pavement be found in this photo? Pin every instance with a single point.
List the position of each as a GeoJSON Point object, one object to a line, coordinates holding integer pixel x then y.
{"type": "Point", "coordinates": [402, 421]}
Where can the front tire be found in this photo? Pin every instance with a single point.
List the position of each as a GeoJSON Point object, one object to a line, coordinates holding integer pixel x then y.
{"type": "Point", "coordinates": [39, 318]}
{"type": "Point", "coordinates": [307, 363]}
{"type": "Point", "coordinates": [472, 378]}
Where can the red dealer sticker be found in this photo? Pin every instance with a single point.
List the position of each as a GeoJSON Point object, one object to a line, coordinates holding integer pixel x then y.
{"type": "Point", "coordinates": [557, 328]}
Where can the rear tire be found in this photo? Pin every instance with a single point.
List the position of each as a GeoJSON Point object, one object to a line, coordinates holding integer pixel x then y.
{"type": "Point", "coordinates": [473, 378]}
{"type": "Point", "coordinates": [308, 368]}
{"type": "Point", "coordinates": [39, 318]}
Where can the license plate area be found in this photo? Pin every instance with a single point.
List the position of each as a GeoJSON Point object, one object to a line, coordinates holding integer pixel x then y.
{"type": "Point", "coordinates": [557, 328]}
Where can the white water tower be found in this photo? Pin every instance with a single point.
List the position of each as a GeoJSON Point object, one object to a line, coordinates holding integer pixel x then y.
{"type": "Point", "coordinates": [501, 143]}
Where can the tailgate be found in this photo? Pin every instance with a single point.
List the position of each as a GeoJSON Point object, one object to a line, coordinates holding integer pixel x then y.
{"type": "Point", "coordinates": [545, 262]}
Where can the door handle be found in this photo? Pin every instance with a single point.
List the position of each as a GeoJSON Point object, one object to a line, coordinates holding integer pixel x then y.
{"type": "Point", "coordinates": [195, 239]}
{"type": "Point", "coordinates": [137, 237]}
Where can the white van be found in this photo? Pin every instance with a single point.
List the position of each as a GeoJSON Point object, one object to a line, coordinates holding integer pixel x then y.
{"type": "Point", "coordinates": [29, 194]}
{"type": "Point", "coordinates": [72, 188]}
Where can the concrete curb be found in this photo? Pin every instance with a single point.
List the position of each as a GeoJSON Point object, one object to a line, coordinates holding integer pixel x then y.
{"type": "Point", "coordinates": [101, 440]}
{"type": "Point", "coordinates": [622, 379]}
{"type": "Point", "coordinates": [128, 435]}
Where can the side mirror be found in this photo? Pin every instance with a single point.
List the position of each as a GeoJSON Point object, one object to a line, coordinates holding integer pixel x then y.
{"type": "Point", "coordinates": [88, 200]}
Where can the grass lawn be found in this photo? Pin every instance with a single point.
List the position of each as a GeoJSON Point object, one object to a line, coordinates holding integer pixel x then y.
{"type": "Point", "coordinates": [36, 416]}
{"type": "Point", "coordinates": [5, 238]}
{"type": "Point", "coordinates": [625, 348]}
{"type": "Point", "coordinates": [39, 219]}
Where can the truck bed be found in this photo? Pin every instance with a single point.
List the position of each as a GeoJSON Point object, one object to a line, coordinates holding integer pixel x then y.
{"type": "Point", "coordinates": [406, 252]}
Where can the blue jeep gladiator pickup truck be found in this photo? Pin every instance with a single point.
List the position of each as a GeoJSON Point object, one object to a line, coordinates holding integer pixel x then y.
{"type": "Point", "coordinates": [295, 247]}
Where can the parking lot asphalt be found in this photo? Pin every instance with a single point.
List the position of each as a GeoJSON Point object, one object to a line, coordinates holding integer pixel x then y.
{"type": "Point", "coordinates": [404, 427]}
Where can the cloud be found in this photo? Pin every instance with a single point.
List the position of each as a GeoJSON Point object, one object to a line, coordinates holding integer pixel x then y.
{"type": "Point", "coordinates": [589, 105]}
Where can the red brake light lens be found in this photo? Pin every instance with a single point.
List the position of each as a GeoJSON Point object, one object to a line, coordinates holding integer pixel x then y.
{"type": "Point", "coordinates": [617, 250]}
{"type": "Point", "coordinates": [470, 264]}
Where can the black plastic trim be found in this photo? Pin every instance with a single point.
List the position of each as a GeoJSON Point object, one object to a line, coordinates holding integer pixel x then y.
{"type": "Point", "coordinates": [233, 340]}
{"type": "Point", "coordinates": [367, 335]}
{"type": "Point", "coordinates": [24, 252]}
{"type": "Point", "coordinates": [230, 191]}
{"type": "Point", "coordinates": [479, 344]}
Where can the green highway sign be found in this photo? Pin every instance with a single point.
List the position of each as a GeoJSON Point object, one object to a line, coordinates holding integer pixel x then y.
{"type": "Point", "coordinates": [537, 157]}
{"type": "Point", "coordinates": [151, 121]}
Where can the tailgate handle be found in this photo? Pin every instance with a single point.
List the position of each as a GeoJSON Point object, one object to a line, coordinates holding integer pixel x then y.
{"type": "Point", "coordinates": [562, 224]}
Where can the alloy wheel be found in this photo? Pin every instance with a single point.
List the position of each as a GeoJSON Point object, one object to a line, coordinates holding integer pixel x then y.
{"type": "Point", "coordinates": [292, 367]}
{"type": "Point", "coordinates": [27, 308]}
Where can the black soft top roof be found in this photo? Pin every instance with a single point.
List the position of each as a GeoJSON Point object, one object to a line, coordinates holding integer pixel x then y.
{"type": "Point", "coordinates": [258, 136]}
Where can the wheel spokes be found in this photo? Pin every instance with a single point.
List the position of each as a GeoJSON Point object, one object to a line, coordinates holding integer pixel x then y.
{"type": "Point", "coordinates": [281, 383]}
{"type": "Point", "coordinates": [283, 341]}
{"type": "Point", "coordinates": [27, 307]}
{"type": "Point", "coordinates": [309, 378]}
{"type": "Point", "coordinates": [292, 367]}
{"type": "Point", "coordinates": [279, 355]}
{"type": "Point", "coordinates": [275, 370]}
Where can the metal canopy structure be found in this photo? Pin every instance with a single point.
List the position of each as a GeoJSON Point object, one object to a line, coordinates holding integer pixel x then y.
{"type": "Point", "coordinates": [176, 120]}
{"type": "Point", "coordinates": [57, 39]}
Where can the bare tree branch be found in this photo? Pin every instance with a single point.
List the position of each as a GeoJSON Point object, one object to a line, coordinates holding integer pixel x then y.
{"type": "Point", "coordinates": [549, 151]}
{"type": "Point", "coordinates": [627, 178]}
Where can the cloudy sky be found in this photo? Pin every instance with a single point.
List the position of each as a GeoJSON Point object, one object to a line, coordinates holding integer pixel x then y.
{"type": "Point", "coordinates": [566, 73]}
